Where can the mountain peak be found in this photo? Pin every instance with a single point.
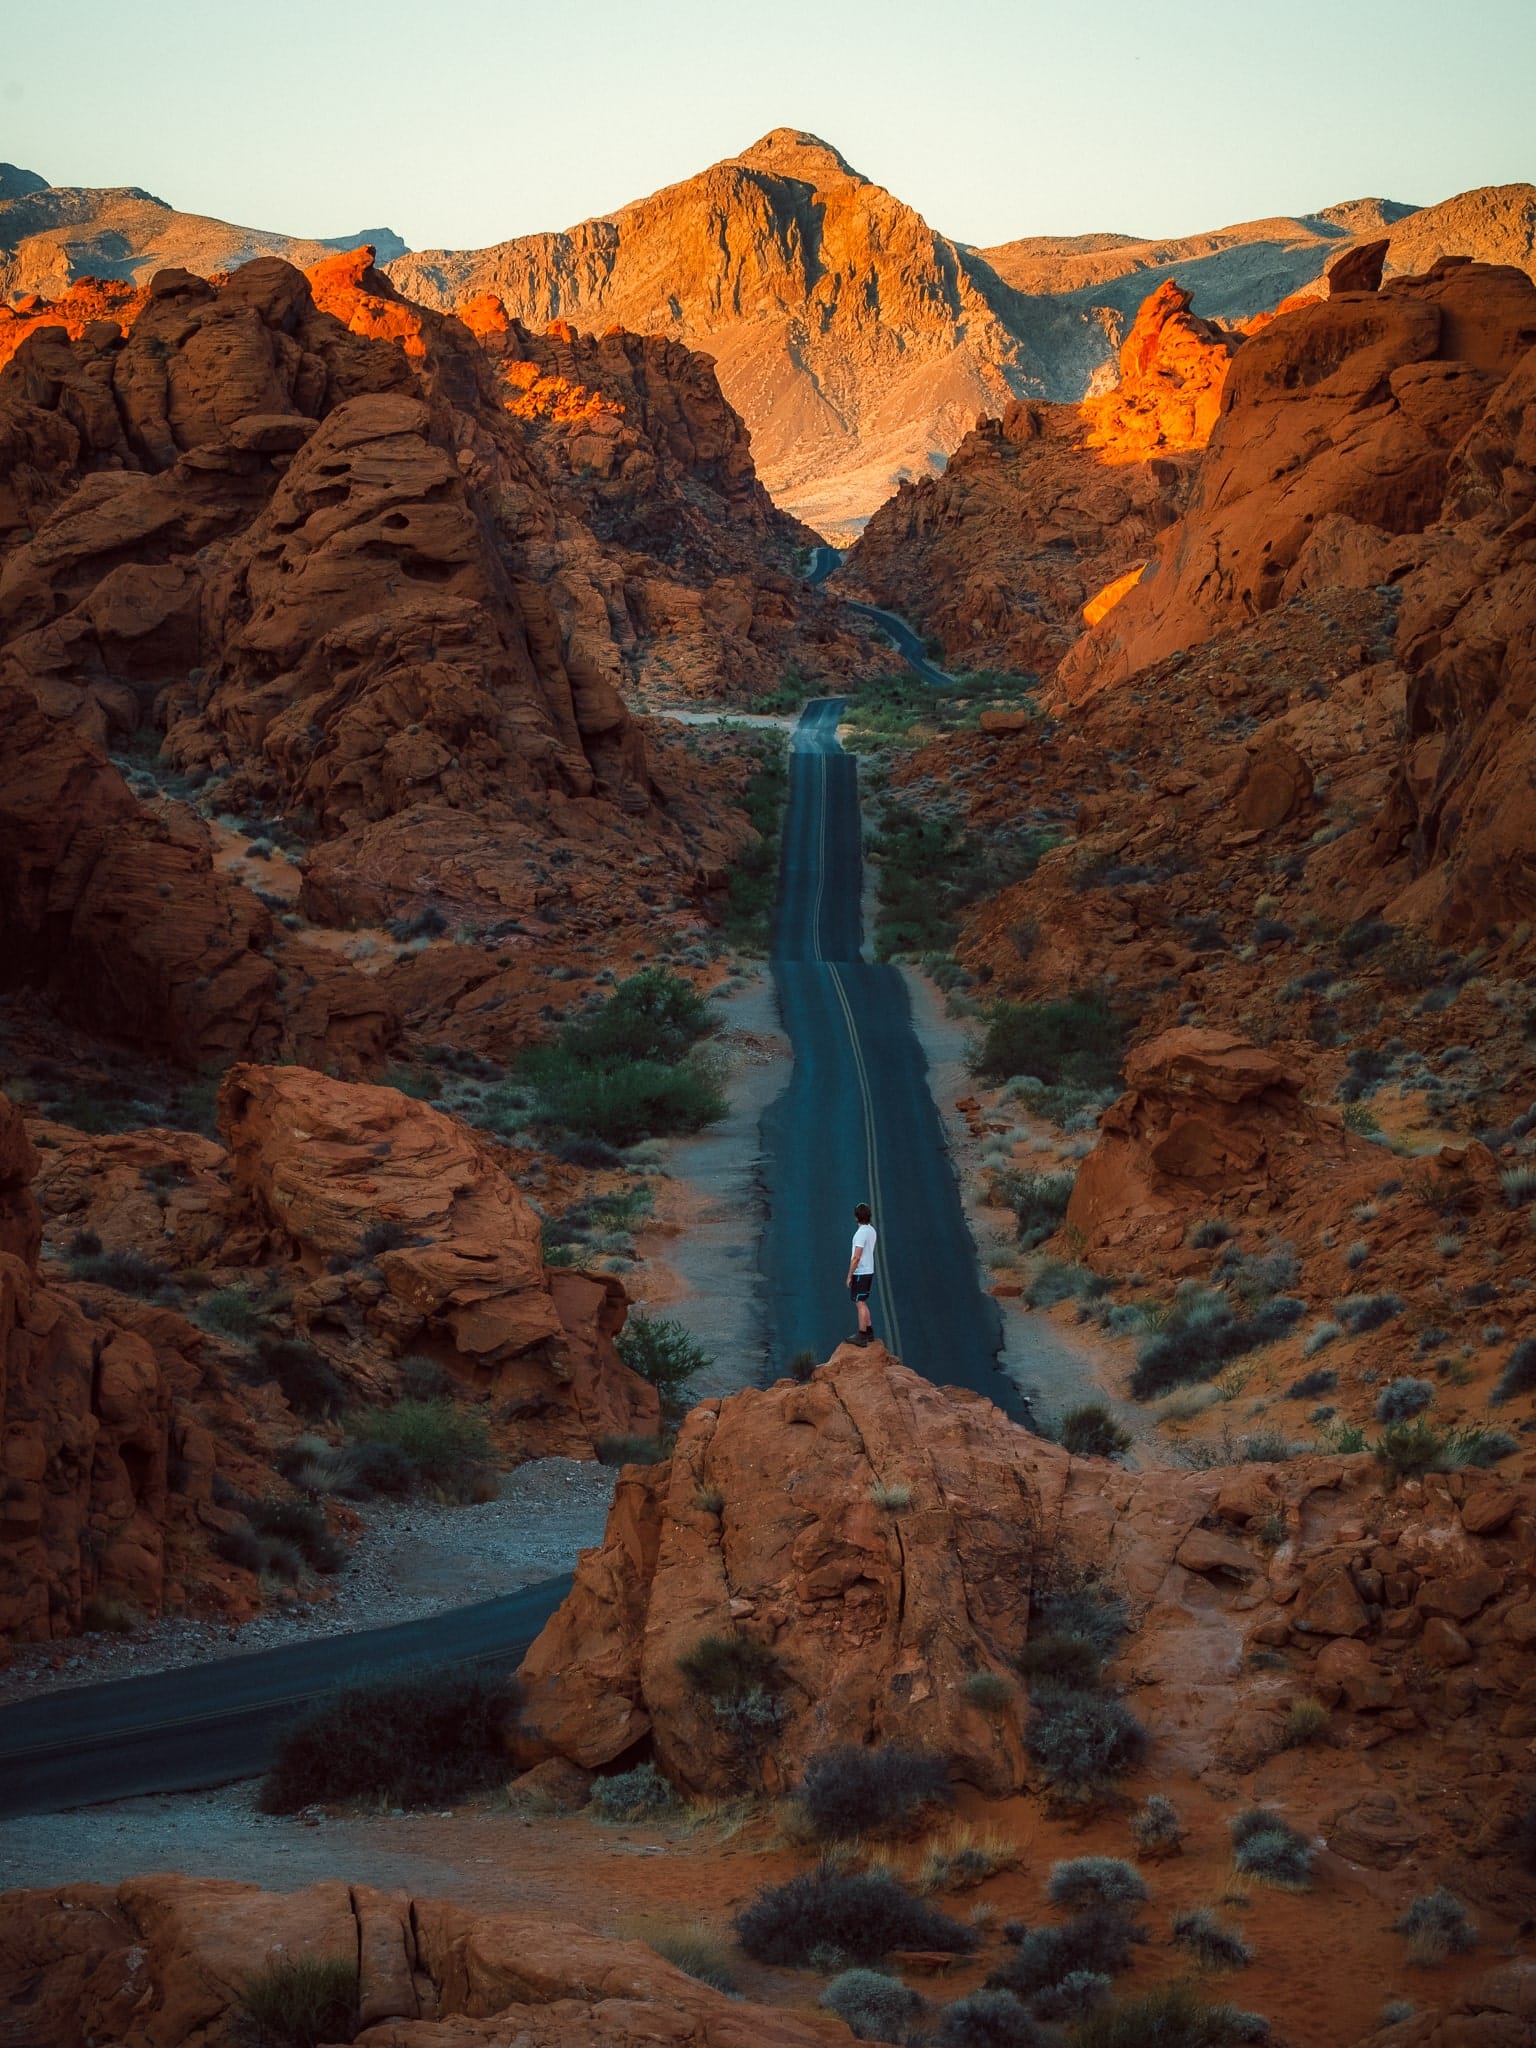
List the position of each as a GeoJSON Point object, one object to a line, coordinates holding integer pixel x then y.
{"type": "Point", "coordinates": [794, 153]}
{"type": "Point", "coordinates": [15, 183]}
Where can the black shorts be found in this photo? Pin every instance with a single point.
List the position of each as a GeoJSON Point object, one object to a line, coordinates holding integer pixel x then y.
{"type": "Point", "coordinates": [859, 1286]}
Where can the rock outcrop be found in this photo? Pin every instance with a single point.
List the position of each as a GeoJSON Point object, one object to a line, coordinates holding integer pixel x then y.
{"type": "Point", "coordinates": [1040, 510]}
{"type": "Point", "coordinates": [880, 1539]}
{"type": "Point", "coordinates": [407, 1236]}
{"type": "Point", "coordinates": [163, 1962]}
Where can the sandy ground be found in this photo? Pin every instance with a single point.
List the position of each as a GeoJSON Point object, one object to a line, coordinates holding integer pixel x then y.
{"type": "Point", "coordinates": [700, 1258]}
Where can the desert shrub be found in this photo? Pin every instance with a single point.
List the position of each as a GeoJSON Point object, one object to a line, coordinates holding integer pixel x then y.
{"type": "Point", "coordinates": [1206, 1235]}
{"type": "Point", "coordinates": [890, 1495]}
{"type": "Point", "coordinates": [988, 1690]}
{"type": "Point", "coordinates": [1156, 1828]}
{"type": "Point", "coordinates": [741, 1680]}
{"type": "Point", "coordinates": [303, 1524]}
{"type": "Point", "coordinates": [103, 1615]}
{"type": "Point", "coordinates": [1319, 1337]}
{"type": "Point", "coordinates": [447, 1449]}
{"type": "Point", "coordinates": [653, 1015]}
{"type": "Point", "coordinates": [1312, 1385]}
{"type": "Point", "coordinates": [850, 1791]}
{"type": "Point", "coordinates": [872, 2006]}
{"type": "Point", "coordinates": [299, 2002]}
{"type": "Point", "coordinates": [1087, 1609]}
{"type": "Point", "coordinates": [1360, 1313]}
{"type": "Point", "coordinates": [801, 1365]}
{"type": "Point", "coordinates": [1172, 2016]}
{"type": "Point", "coordinates": [1402, 1399]}
{"type": "Point", "coordinates": [1437, 1927]}
{"type": "Point", "coordinates": [233, 1312]}
{"type": "Point", "coordinates": [384, 1234]}
{"type": "Point", "coordinates": [961, 1857]}
{"type": "Point", "coordinates": [1082, 1739]}
{"type": "Point", "coordinates": [1417, 1446]}
{"type": "Point", "coordinates": [1519, 1183]}
{"type": "Point", "coordinates": [1087, 1882]}
{"type": "Point", "coordinates": [1075, 1039]}
{"type": "Point", "coordinates": [1267, 1847]}
{"type": "Point", "coordinates": [1305, 1720]}
{"type": "Point", "coordinates": [308, 1382]}
{"type": "Point", "coordinates": [619, 1102]}
{"type": "Point", "coordinates": [864, 1915]}
{"type": "Point", "coordinates": [660, 1349]}
{"type": "Point", "coordinates": [127, 1272]}
{"type": "Point", "coordinates": [1038, 1201]}
{"type": "Point", "coordinates": [1077, 1993]}
{"type": "Point", "coordinates": [990, 2019]}
{"type": "Point", "coordinates": [1519, 1374]}
{"type": "Point", "coordinates": [1062, 1280]}
{"type": "Point", "coordinates": [1213, 1946]}
{"type": "Point", "coordinates": [1203, 1333]}
{"type": "Point", "coordinates": [1046, 1956]}
{"type": "Point", "coordinates": [418, 1739]}
{"type": "Point", "coordinates": [639, 1794]}
{"type": "Point", "coordinates": [1092, 1432]}
{"type": "Point", "coordinates": [1062, 1660]}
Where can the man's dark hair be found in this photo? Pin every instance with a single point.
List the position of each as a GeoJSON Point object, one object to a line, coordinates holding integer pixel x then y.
{"type": "Point", "coordinates": [861, 1210]}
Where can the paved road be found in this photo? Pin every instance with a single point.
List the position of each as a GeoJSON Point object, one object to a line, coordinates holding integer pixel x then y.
{"type": "Point", "coordinates": [823, 561]}
{"type": "Point", "coordinates": [857, 1120]}
{"type": "Point", "coordinates": [179, 1730]}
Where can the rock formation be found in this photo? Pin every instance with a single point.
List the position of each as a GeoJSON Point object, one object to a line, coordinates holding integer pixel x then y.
{"type": "Point", "coordinates": [1041, 509]}
{"type": "Point", "coordinates": [324, 1169]}
{"type": "Point", "coordinates": [882, 1539]}
{"type": "Point", "coordinates": [162, 1962]}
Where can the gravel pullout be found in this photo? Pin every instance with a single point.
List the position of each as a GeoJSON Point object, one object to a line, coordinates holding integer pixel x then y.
{"type": "Point", "coordinates": [413, 1559]}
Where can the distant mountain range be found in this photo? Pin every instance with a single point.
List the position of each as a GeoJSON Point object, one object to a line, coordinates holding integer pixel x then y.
{"type": "Point", "coordinates": [858, 343]}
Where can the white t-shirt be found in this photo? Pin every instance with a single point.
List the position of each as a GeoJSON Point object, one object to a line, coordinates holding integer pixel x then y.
{"type": "Point", "coordinates": [864, 1245]}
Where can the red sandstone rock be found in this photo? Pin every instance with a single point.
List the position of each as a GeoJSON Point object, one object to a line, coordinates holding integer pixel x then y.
{"type": "Point", "coordinates": [320, 1162]}
{"type": "Point", "coordinates": [431, 1974]}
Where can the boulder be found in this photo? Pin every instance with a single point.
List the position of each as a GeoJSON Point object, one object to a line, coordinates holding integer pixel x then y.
{"type": "Point", "coordinates": [1328, 1605]}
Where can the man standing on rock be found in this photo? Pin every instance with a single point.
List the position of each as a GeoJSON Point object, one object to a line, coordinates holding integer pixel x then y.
{"type": "Point", "coordinates": [861, 1270]}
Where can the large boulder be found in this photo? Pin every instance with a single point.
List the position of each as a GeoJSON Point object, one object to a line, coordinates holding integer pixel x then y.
{"type": "Point", "coordinates": [412, 1238]}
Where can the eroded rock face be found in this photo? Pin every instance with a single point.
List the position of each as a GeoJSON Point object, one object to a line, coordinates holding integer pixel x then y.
{"type": "Point", "coordinates": [1209, 1124]}
{"type": "Point", "coordinates": [1050, 508]}
{"type": "Point", "coordinates": [161, 1962]}
{"type": "Point", "coordinates": [114, 1423]}
{"type": "Point", "coordinates": [411, 1238]}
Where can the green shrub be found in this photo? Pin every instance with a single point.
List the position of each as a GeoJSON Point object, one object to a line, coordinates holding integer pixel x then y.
{"type": "Point", "coordinates": [103, 1615]}
{"type": "Point", "coordinates": [742, 1681]}
{"type": "Point", "coordinates": [127, 1272]}
{"type": "Point", "coordinates": [1207, 1235]}
{"type": "Point", "coordinates": [1079, 1992]}
{"type": "Point", "coordinates": [1038, 1201]}
{"type": "Point", "coordinates": [1075, 1039]}
{"type": "Point", "coordinates": [691, 1946]}
{"type": "Point", "coordinates": [1083, 1739]}
{"type": "Point", "coordinates": [384, 1234]}
{"type": "Point", "coordinates": [990, 2019]}
{"type": "Point", "coordinates": [299, 2002]}
{"type": "Point", "coordinates": [1403, 1399]}
{"type": "Point", "coordinates": [1519, 1374]}
{"type": "Point", "coordinates": [1305, 1721]}
{"type": "Point", "coordinates": [1360, 1313]}
{"type": "Point", "coordinates": [1087, 1609]}
{"type": "Point", "coordinates": [850, 1791]}
{"type": "Point", "coordinates": [309, 1383]}
{"type": "Point", "coordinates": [447, 1449]}
{"type": "Point", "coordinates": [1156, 1827]}
{"type": "Point", "coordinates": [862, 1915]}
{"type": "Point", "coordinates": [1095, 1882]}
{"type": "Point", "coordinates": [622, 1101]}
{"type": "Point", "coordinates": [654, 1016]}
{"type": "Point", "coordinates": [872, 2006]}
{"type": "Point", "coordinates": [1092, 1432]}
{"type": "Point", "coordinates": [1064, 1661]}
{"type": "Point", "coordinates": [1203, 1333]}
{"type": "Point", "coordinates": [1045, 1957]}
{"type": "Point", "coordinates": [1269, 1848]}
{"type": "Point", "coordinates": [303, 1524]}
{"type": "Point", "coordinates": [1313, 1385]}
{"type": "Point", "coordinates": [233, 1312]}
{"type": "Point", "coordinates": [1173, 2016]}
{"type": "Point", "coordinates": [631, 1450]}
{"type": "Point", "coordinates": [1412, 1447]}
{"type": "Point", "coordinates": [639, 1794]}
{"type": "Point", "coordinates": [661, 1351]}
{"type": "Point", "coordinates": [1437, 1928]}
{"type": "Point", "coordinates": [988, 1690]}
{"type": "Point", "coordinates": [417, 1740]}
{"type": "Point", "coordinates": [1213, 1946]}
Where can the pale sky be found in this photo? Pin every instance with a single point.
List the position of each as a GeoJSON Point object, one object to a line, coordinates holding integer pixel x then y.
{"type": "Point", "coordinates": [462, 122]}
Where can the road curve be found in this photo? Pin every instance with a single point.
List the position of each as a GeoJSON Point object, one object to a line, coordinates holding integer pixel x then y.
{"type": "Point", "coordinates": [177, 1731]}
{"type": "Point", "coordinates": [857, 1120]}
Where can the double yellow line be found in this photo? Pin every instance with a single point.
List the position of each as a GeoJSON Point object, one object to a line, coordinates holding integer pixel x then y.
{"type": "Point", "coordinates": [866, 1093]}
